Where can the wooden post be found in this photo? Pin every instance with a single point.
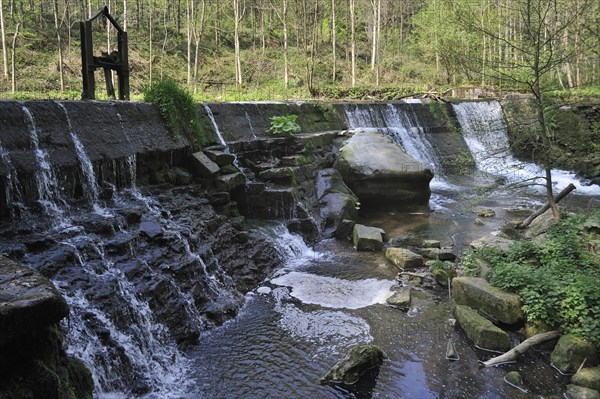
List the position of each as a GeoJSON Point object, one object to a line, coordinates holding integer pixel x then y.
{"type": "Point", "coordinates": [87, 61]}
{"type": "Point", "coordinates": [123, 72]}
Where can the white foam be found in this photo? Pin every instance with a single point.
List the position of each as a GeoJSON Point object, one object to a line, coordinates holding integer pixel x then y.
{"type": "Point", "coordinates": [336, 293]}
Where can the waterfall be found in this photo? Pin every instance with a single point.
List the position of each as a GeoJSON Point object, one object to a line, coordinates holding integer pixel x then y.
{"type": "Point", "coordinates": [215, 126]}
{"type": "Point", "coordinates": [250, 124]}
{"type": "Point", "coordinates": [143, 351]}
{"type": "Point", "coordinates": [46, 183]}
{"type": "Point", "coordinates": [401, 124]}
{"type": "Point", "coordinates": [485, 133]}
{"type": "Point", "coordinates": [12, 193]}
{"type": "Point", "coordinates": [86, 164]}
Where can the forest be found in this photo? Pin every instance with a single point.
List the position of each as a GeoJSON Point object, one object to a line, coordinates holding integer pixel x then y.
{"type": "Point", "coordinates": [288, 49]}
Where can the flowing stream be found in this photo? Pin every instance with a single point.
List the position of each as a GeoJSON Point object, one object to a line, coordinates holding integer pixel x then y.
{"type": "Point", "coordinates": [300, 321]}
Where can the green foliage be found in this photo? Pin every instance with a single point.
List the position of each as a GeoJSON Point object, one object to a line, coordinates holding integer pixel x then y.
{"type": "Point", "coordinates": [178, 109]}
{"type": "Point", "coordinates": [469, 264]}
{"type": "Point", "coordinates": [556, 278]}
{"type": "Point", "coordinates": [285, 125]}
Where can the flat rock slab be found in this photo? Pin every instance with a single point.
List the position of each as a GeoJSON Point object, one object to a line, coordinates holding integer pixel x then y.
{"type": "Point", "coordinates": [28, 301]}
{"type": "Point", "coordinates": [431, 244]}
{"type": "Point", "coordinates": [492, 241]}
{"type": "Point", "coordinates": [495, 303]}
{"type": "Point", "coordinates": [438, 253]}
{"type": "Point", "coordinates": [379, 171]}
{"type": "Point", "coordinates": [204, 166]}
{"type": "Point", "coordinates": [230, 182]}
{"type": "Point", "coordinates": [482, 331]}
{"type": "Point", "coordinates": [403, 258]}
{"type": "Point", "coordinates": [401, 298]}
{"type": "Point", "coordinates": [221, 158]}
{"type": "Point", "coordinates": [588, 377]}
{"type": "Point", "coordinates": [367, 238]}
{"type": "Point", "coordinates": [570, 351]}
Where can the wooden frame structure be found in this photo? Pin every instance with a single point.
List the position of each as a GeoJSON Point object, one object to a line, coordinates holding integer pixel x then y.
{"type": "Point", "coordinates": [117, 61]}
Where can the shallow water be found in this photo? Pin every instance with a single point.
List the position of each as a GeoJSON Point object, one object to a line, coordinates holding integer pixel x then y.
{"type": "Point", "coordinates": [302, 321]}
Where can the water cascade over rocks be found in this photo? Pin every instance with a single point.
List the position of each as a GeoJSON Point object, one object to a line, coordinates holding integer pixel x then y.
{"type": "Point", "coordinates": [485, 132]}
{"type": "Point", "coordinates": [174, 294]}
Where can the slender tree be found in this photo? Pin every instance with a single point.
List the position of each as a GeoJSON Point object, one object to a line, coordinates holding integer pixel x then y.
{"type": "Point", "coordinates": [3, 33]}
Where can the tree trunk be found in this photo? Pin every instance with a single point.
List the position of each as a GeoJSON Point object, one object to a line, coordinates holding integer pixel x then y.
{"type": "Point", "coordinates": [3, 37]}
{"type": "Point", "coordinates": [236, 32]}
{"type": "Point", "coordinates": [198, 33]}
{"type": "Point", "coordinates": [13, 51]}
{"type": "Point", "coordinates": [353, 43]}
{"type": "Point", "coordinates": [333, 44]}
{"type": "Point", "coordinates": [125, 15]}
{"type": "Point", "coordinates": [285, 46]}
{"type": "Point", "coordinates": [543, 209]}
{"type": "Point", "coordinates": [60, 53]}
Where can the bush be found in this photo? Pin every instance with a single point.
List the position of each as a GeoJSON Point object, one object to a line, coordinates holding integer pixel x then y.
{"type": "Point", "coordinates": [284, 125]}
{"type": "Point", "coordinates": [557, 278]}
{"type": "Point", "coordinates": [178, 109]}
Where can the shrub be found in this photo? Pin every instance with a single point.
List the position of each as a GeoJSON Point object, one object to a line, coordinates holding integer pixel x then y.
{"type": "Point", "coordinates": [177, 108]}
{"type": "Point", "coordinates": [284, 125]}
{"type": "Point", "coordinates": [557, 278]}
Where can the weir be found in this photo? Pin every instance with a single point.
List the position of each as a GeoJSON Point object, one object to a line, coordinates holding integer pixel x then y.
{"type": "Point", "coordinates": [153, 279]}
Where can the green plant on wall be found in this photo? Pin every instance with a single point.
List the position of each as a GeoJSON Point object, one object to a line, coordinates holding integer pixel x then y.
{"type": "Point", "coordinates": [285, 125]}
{"type": "Point", "coordinates": [178, 109]}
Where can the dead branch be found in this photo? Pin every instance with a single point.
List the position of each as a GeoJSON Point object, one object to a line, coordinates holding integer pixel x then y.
{"type": "Point", "coordinates": [543, 209]}
{"type": "Point", "coordinates": [512, 354]}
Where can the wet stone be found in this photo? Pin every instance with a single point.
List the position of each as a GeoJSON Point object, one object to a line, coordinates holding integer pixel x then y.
{"type": "Point", "coordinates": [431, 244]}
{"type": "Point", "coordinates": [150, 229]}
{"type": "Point", "coordinates": [577, 392]}
{"type": "Point", "coordinates": [367, 238]}
{"type": "Point", "coordinates": [403, 258]}
{"type": "Point", "coordinates": [357, 361]}
{"type": "Point", "coordinates": [588, 377]}
{"type": "Point", "coordinates": [570, 352]}
{"type": "Point", "coordinates": [401, 298]}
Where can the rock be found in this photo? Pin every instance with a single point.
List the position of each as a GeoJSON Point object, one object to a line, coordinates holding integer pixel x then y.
{"type": "Point", "coordinates": [495, 303]}
{"type": "Point", "coordinates": [540, 225]}
{"type": "Point", "coordinates": [367, 238]}
{"type": "Point", "coordinates": [577, 392]}
{"type": "Point", "coordinates": [485, 269]}
{"type": "Point", "coordinates": [570, 351]}
{"type": "Point", "coordinates": [132, 215]}
{"type": "Point", "coordinates": [28, 301]}
{"type": "Point", "coordinates": [403, 258]}
{"type": "Point", "coordinates": [150, 229]}
{"type": "Point", "coordinates": [439, 253]}
{"type": "Point", "coordinates": [378, 171]}
{"type": "Point", "coordinates": [478, 222]}
{"type": "Point", "coordinates": [400, 299]}
{"type": "Point", "coordinates": [336, 201]}
{"type": "Point", "coordinates": [221, 158]}
{"type": "Point", "coordinates": [203, 166]}
{"type": "Point", "coordinates": [486, 213]}
{"type": "Point", "coordinates": [514, 378]}
{"type": "Point", "coordinates": [482, 331]}
{"type": "Point", "coordinates": [431, 244]}
{"type": "Point", "coordinates": [345, 229]}
{"type": "Point", "coordinates": [588, 377]}
{"type": "Point", "coordinates": [230, 182]}
{"type": "Point", "coordinates": [443, 275]}
{"type": "Point", "coordinates": [492, 241]}
{"type": "Point", "coordinates": [358, 360]}
{"type": "Point", "coordinates": [284, 175]}
{"type": "Point", "coordinates": [219, 198]}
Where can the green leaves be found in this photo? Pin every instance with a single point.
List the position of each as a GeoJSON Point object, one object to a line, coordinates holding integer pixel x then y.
{"type": "Point", "coordinates": [177, 108]}
{"type": "Point", "coordinates": [557, 278]}
{"type": "Point", "coordinates": [284, 125]}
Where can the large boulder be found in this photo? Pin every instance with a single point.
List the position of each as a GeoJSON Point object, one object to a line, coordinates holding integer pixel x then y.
{"type": "Point", "coordinates": [358, 360]}
{"type": "Point", "coordinates": [570, 352]}
{"type": "Point", "coordinates": [578, 392]}
{"type": "Point", "coordinates": [494, 302]}
{"type": "Point", "coordinates": [367, 238]}
{"type": "Point", "coordinates": [336, 201]}
{"type": "Point", "coordinates": [28, 301]}
{"type": "Point", "coordinates": [378, 171]}
{"type": "Point", "coordinates": [588, 377]}
{"type": "Point", "coordinates": [403, 258]}
{"type": "Point", "coordinates": [482, 331]}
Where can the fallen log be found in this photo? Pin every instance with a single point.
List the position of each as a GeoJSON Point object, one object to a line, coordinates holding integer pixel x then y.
{"type": "Point", "coordinates": [543, 209]}
{"type": "Point", "coordinates": [523, 347]}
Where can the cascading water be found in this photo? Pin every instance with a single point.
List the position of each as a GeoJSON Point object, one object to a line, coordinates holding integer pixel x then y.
{"type": "Point", "coordinates": [87, 168]}
{"type": "Point", "coordinates": [485, 133]}
{"type": "Point", "coordinates": [401, 124]}
{"type": "Point", "coordinates": [215, 126]}
{"type": "Point", "coordinates": [12, 192]}
{"type": "Point", "coordinates": [47, 185]}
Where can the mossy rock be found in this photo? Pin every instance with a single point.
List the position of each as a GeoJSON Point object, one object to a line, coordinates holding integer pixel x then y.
{"type": "Point", "coordinates": [367, 238]}
{"type": "Point", "coordinates": [443, 275]}
{"type": "Point", "coordinates": [588, 377]}
{"type": "Point", "coordinates": [482, 331]}
{"type": "Point", "coordinates": [570, 352]}
{"type": "Point", "coordinates": [358, 360]}
{"type": "Point", "coordinates": [578, 392]}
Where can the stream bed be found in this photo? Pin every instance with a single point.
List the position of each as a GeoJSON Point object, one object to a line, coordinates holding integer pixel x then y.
{"type": "Point", "coordinates": [326, 299]}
